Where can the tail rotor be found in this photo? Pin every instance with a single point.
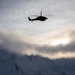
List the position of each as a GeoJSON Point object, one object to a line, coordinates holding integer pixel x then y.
{"type": "Point", "coordinates": [30, 19]}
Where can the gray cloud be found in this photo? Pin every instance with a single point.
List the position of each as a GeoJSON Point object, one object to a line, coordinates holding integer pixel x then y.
{"type": "Point", "coordinates": [13, 42]}
{"type": "Point", "coordinates": [59, 48]}
{"type": "Point", "coordinates": [70, 47]}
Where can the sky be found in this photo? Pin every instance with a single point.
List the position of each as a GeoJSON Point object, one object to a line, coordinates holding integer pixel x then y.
{"type": "Point", "coordinates": [53, 38]}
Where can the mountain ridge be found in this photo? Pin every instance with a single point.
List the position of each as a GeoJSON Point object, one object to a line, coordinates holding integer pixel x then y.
{"type": "Point", "coordinates": [13, 64]}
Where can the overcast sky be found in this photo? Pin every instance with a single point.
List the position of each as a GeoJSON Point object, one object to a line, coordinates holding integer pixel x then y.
{"type": "Point", "coordinates": [61, 25]}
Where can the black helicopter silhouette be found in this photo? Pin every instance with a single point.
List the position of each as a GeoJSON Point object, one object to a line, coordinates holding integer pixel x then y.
{"type": "Point", "coordinates": [39, 18]}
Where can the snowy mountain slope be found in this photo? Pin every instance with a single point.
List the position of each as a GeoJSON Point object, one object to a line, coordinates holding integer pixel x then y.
{"type": "Point", "coordinates": [12, 64]}
{"type": "Point", "coordinates": [36, 65]}
{"type": "Point", "coordinates": [8, 66]}
{"type": "Point", "coordinates": [67, 65]}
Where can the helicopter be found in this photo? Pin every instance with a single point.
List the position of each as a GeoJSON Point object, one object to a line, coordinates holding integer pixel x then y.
{"type": "Point", "coordinates": [38, 18]}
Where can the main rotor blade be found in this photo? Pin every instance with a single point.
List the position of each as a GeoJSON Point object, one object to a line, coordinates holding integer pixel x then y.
{"type": "Point", "coordinates": [48, 15]}
{"type": "Point", "coordinates": [35, 15]}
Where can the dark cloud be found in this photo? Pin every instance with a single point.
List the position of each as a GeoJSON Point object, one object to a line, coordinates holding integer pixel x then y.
{"type": "Point", "coordinates": [59, 48]}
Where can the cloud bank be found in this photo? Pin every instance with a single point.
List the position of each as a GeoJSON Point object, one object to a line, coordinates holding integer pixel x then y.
{"type": "Point", "coordinates": [20, 43]}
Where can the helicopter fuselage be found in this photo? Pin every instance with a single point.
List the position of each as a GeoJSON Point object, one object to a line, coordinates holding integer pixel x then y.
{"type": "Point", "coordinates": [40, 18]}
